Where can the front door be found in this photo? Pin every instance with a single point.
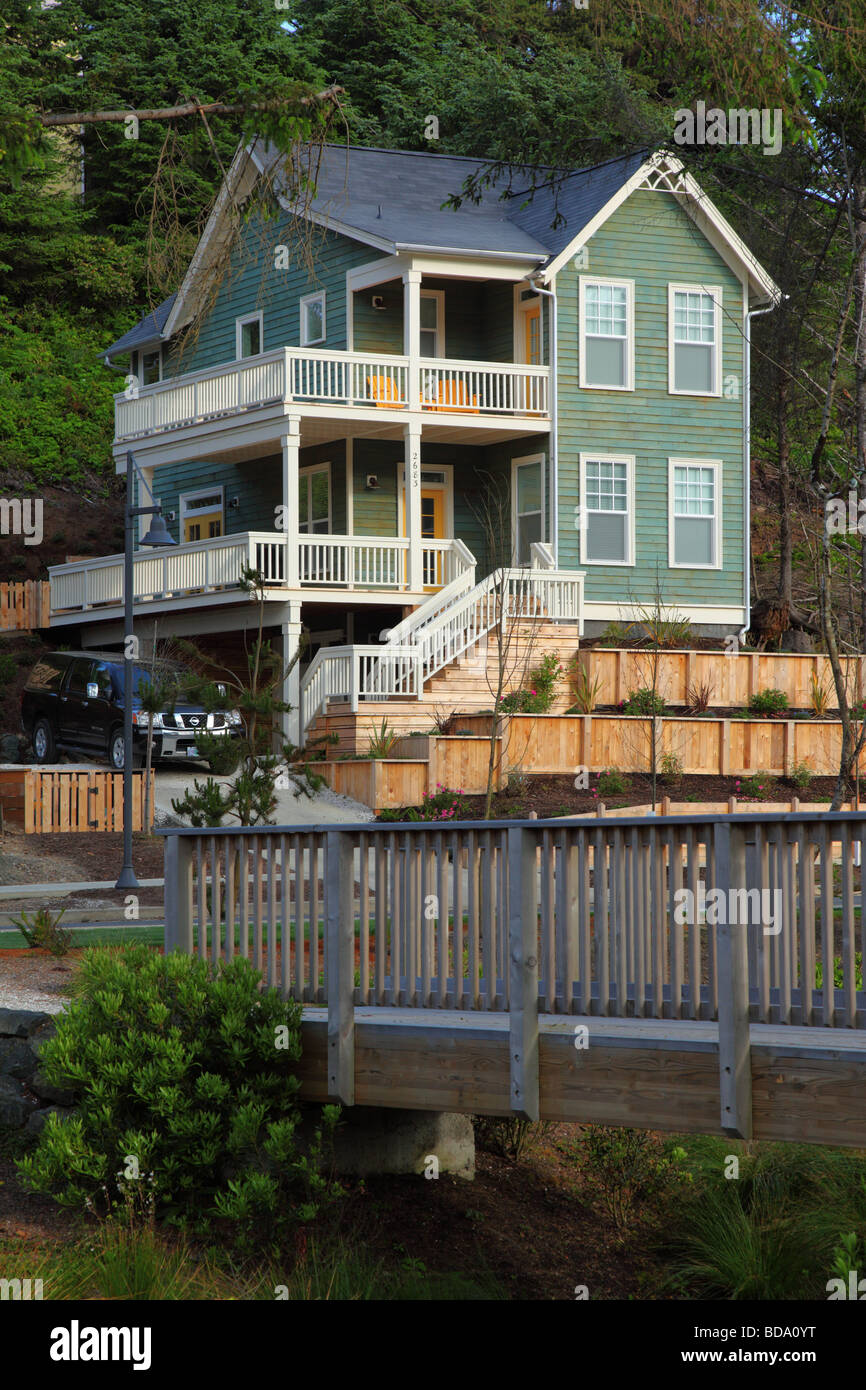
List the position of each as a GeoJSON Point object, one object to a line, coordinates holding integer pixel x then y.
{"type": "Point", "coordinates": [432, 529]}
{"type": "Point", "coordinates": [532, 330]}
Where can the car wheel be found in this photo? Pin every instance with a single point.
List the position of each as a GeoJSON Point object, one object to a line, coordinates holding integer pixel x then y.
{"type": "Point", "coordinates": [44, 743]}
{"type": "Point", "coordinates": [115, 752]}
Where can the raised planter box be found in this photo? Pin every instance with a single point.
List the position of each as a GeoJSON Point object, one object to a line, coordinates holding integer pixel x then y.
{"type": "Point", "coordinates": [72, 799]}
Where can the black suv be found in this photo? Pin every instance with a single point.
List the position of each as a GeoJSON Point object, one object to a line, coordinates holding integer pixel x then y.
{"type": "Point", "coordinates": [74, 701]}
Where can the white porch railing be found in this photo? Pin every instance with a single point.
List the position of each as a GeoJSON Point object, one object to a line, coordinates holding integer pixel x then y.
{"type": "Point", "coordinates": [196, 567]}
{"type": "Point", "coordinates": [314, 376]}
{"type": "Point", "coordinates": [437, 633]}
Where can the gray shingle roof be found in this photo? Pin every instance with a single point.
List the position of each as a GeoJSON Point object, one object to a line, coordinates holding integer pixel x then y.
{"type": "Point", "coordinates": [148, 330]}
{"type": "Point", "coordinates": [398, 196]}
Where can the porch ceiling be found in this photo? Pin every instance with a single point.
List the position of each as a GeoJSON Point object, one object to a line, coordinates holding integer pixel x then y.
{"type": "Point", "coordinates": [320, 431]}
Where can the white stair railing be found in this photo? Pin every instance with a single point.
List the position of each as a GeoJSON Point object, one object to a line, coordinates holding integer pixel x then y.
{"type": "Point", "coordinates": [436, 634]}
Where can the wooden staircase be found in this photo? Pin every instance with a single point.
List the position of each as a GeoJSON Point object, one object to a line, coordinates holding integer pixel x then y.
{"type": "Point", "coordinates": [467, 685]}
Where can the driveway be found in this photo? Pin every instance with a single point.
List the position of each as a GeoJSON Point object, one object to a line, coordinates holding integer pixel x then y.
{"type": "Point", "coordinates": [323, 807]}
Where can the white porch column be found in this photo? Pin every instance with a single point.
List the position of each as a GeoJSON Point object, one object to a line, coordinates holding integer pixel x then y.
{"type": "Point", "coordinates": [412, 431]}
{"type": "Point", "coordinates": [412, 494]}
{"type": "Point", "coordinates": [291, 444]}
{"type": "Point", "coordinates": [290, 629]}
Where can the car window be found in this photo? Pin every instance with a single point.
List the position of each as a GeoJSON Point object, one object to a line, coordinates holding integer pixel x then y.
{"type": "Point", "coordinates": [102, 676]}
{"type": "Point", "coordinates": [79, 676]}
{"type": "Point", "coordinates": [48, 673]}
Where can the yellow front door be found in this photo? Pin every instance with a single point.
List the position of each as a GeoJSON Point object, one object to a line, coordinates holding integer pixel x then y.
{"type": "Point", "coordinates": [432, 528]}
{"type": "Point", "coordinates": [532, 345]}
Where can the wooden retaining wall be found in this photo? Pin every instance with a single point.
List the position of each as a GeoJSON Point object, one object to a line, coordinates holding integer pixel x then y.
{"type": "Point", "coordinates": [733, 678]}
{"type": "Point", "coordinates": [80, 800]}
{"type": "Point", "coordinates": [24, 605]}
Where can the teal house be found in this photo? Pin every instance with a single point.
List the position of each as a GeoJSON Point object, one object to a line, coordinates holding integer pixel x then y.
{"type": "Point", "coordinates": [381, 402]}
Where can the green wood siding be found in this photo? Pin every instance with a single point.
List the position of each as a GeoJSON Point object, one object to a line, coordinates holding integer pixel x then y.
{"type": "Point", "coordinates": [651, 240]}
{"type": "Point", "coordinates": [257, 485]}
{"type": "Point", "coordinates": [253, 283]}
{"type": "Point", "coordinates": [379, 330]}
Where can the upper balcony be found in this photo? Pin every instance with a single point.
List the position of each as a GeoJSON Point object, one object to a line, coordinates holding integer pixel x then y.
{"type": "Point", "coordinates": [346, 384]}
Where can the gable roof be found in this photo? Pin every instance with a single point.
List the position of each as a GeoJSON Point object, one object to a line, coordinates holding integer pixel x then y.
{"type": "Point", "coordinates": [393, 200]}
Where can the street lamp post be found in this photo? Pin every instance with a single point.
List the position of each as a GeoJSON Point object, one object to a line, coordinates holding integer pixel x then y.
{"type": "Point", "coordinates": [156, 536]}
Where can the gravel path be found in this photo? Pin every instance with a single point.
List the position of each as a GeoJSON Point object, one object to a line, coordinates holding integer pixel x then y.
{"type": "Point", "coordinates": [15, 996]}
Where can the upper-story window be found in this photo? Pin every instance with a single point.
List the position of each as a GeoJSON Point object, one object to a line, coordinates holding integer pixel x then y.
{"type": "Point", "coordinates": [151, 366]}
{"type": "Point", "coordinates": [249, 335]}
{"type": "Point", "coordinates": [695, 511]}
{"type": "Point", "coordinates": [607, 516]}
{"type": "Point", "coordinates": [607, 334]}
{"type": "Point", "coordinates": [694, 340]}
{"type": "Point", "coordinates": [313, 318]}
{"type": "Point", "coordinates": [432, 335]}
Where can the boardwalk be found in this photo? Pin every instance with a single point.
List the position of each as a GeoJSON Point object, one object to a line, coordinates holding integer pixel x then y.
{"type": "Point", "coordinates": [657, 972]}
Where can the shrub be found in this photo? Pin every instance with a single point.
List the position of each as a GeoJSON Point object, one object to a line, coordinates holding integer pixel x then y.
{"type": "Point", "coordinates": [382, 741]}
{"type": "Point", "coordinates": [820, 694]}
{"type": "Point", "coordinates": [615, 634]}
{"type": "Point", "coordinates": [443, 804]}
{"type": "Point", "coordinates": [8, 668]}
{"type": "Point", "coordinates": [43, 931]}
{"type": "Point", "coordinates": [666, 632]}
{"type": "Point", "coordinates": [671, 768]}
{"type": "Point", "coordinates": [220, 751]}
{"type": "Point", "coordinates": [698, 697]}
{"type": "Point", "coordinates": [538, 698]}
{"type": "Point", "coordinates": [759, 787]}
{"type": "Point", "coordinates": [189, 1070]}
{"type": "Point", "coordinates": [626, 1167]}
{"type": "Point", "coordinates": [584, 690]}
{"type": "Point", "coordinates": [801, 776]}
{"type": "Point", "coordinates": [768, 702]}
{"type": "Point", "coordinates": [611, 783]}
{"type": "Point", "coordinates": [644, 701]}
{"type": "Point", "coordinates": [508, 1136]}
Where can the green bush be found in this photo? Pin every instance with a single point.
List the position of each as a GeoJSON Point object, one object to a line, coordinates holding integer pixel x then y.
{"type": "Point", "coordinates": [611, 783]}
{"type": "Point", "coordinates": [768, 702]}
{"type": "Point", "coordinates": [43, 931]}
{"type": "Point", "coordinates": [644, 701]}
{"type": "Point", "coordinates": [221, 752]}
{"type": "Point", "coordinates": [801, 776]}
{"type": "Point", "coordinates": [189, 1071]}
{"type": "Point", "coordinates": [626, 1168]}
{"type": "Point", "coordinates": [443, 804]}
{"type": "Point", "coordinates": [537, 698]}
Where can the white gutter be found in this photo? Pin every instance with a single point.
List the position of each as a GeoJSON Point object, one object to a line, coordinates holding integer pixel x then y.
{"type": "Point", "coordinates": [554, 451]}
{"type": "Point", "coordinates": [457, 252]}
{"type": "Point", "coordinates": [747, 461]}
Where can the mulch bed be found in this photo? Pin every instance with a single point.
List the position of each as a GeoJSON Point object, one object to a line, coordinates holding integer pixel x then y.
{"type": "Point", "coordinates": [72, 858]}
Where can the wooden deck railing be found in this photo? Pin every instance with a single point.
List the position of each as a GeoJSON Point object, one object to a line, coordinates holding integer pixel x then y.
{"type": "Point", "coordinates": [734, 920]}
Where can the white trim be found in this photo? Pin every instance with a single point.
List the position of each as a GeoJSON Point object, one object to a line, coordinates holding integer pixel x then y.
{"type": "Point", "coordinates": [630, 462]}
{"type": "Point", "coordinates": [616, 283]}
{"type": "Point", "coordinates": [520, 463]}
{"type": "Point", "coordinates": [716, 293]}
{"type": "Point", "coordinates": [141, 353]}
{"type": "Point", "coordinates": [240, 325]}
{"type": "Point", "coordinates": [632, 612]}
{"type": "Point", "coordinates": [439, 297]}
{"type": "Point", "coordinates": [304, 300]}
{"type": "Point", "coordinates": [695, 202]}
{"type": "Point", "coordinates": [447, 487]}
{"type": "Point", "coordinates": [363, 277]}
{"type": "Point", "coordinates": [184, 511]}
{"type": "Point", "coordinates": [350, 485]}
{"type": "Point", "coordinates": [305, 470]}
{"type": "Point", "coordinates": [716, 465]}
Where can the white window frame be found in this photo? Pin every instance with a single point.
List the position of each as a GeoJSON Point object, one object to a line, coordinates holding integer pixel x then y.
{"type": "Point", "coordinates": [139, 363]}
{"type": "Point", "coordinates": [628, 286]}
{"type": "Point", "coordinates": [307, 472]}
{"type": "Point", "coordinates": [186, 507]}
{"type": "Point", "coordinates": [715, 292]}
{"type": "Point", "coordinates": [716, 466]}
{"type": "Point", "coordinates": [240, 324]}
{"type": "Point", "coordinates": [304, 300]}
{"type": "Point", "coordinates": [439, 297]}
{"type": "Point", "coordinates": [629, 460]}
{"type": "Point", "coordinates": [519, 463]}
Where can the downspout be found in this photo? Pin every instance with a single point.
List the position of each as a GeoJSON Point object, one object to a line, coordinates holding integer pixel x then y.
{"type": "Point", "coordinates": [747, 463]}
{"type": "Point", "coordinates": [554, 455]}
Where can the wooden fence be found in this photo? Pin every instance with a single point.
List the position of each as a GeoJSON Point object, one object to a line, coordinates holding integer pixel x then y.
{"type": "Point", "coordinates": [44, 801]}
{"type": "Point", "coordinates": [732, 920]}
{"type": "Point", "coordinates": [732, 677]}
{"type": "Point", "coordinates": [24, 605]}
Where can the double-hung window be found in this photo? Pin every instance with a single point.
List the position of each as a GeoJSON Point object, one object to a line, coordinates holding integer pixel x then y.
{"type": "Point", "coordinates": [695, 514]}
{"type": "Point", "coordinates": [313, 318]}
{"type": "Point", "coordinates": [694, 340]}
{"type": "Point", "coordinates": [607, 334]}
{"type": "Point", "coordinates": [607, 513]}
